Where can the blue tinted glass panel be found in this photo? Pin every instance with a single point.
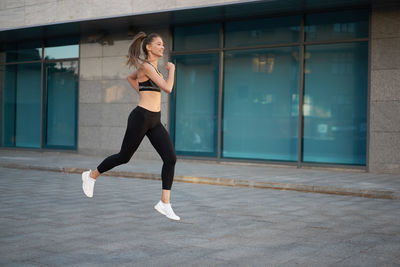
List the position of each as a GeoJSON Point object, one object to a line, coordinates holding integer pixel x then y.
{"type": "Point", "coordinates": [196, 104]}
{"type": "Point", "coordinates": [336, 25]}
{"type": "Point", "coordinates": [260, 118]}
{"type": "Point", "coordinates": [262, 31]}
{"type": "Point", "coordinates": [8, 105]}
{"type": "Point", "coordinates": [61, 111]}
{"type": "Point", "coordinates": [196, 37]}
{"type": "Point", "coordinates": [69, 51]}
{"type": "Point", "coordinates": [335, 103]}
{"type": "Point", "coordinates": [22, 106]}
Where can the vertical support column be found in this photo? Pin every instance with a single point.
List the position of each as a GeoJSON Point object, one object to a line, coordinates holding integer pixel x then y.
{"type": "Point", "coordinates": [384, 102]}
{"type": "Point", "coordinates": [367, 145]}
{"type": "Point", "coordinates": [301, 96]}
{"type": "Point", "coordinates": [220, 91]}
{"type": "Point", "coordinates": [42, 83]}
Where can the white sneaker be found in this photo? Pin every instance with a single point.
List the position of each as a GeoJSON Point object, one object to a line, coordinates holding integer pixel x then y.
{"type": "Point", "coordinates": [88, 184]}
{"type": "Point", "coordinates": [166, 209]}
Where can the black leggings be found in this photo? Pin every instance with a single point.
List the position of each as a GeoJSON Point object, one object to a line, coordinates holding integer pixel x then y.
{"type": "Point", "coordinates": [143, 122]}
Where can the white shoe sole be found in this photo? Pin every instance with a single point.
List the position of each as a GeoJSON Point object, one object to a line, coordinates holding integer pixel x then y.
{"type": "Point", "coordinates": [174, 219]}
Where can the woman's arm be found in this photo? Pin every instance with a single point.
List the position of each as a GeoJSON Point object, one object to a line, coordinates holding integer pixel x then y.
{"type": "Point", "coordinates": [133, 80]}
{"type": "Point", "coordinates": [165, 85]}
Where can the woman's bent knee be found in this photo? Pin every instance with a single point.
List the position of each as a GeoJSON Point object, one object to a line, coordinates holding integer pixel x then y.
{"type": "Point", "coordinates": [123, 159]}
{"type": "Point", "coordinates": [170, 161]}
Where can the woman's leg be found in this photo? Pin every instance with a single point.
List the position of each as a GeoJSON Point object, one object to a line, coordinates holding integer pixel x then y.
{"type": "Point", "coordinates": [134, 135]}
{"type": "Point", "coordinates": [166, 196]}
{"type": "Point", "coordinates": [94, 174]}
{"type": "Point", "coordinates": [161, 141]}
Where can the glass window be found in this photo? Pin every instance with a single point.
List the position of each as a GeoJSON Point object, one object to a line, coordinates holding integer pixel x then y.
{"type": "Point", "coordinates": [335, 103]}
{"type": "Point", "coordinates": [262, 31]}
{"type": "Point", "coordinates": [336, 25]}
{"type": "Point", "coordinates": [261, 104]}
{"type": "Point", "coordinates": [28, 92]}
{"type": "Point", "coordinates": [196, 37]}
{"type": "Point", "coordinates": [58, 52]}
{"type": "Point", "coordinates": [22, 105]}
{"type": "Point", "coordinates": [196, 104]}
{"type": "Point", "coordinates": [261, 89]}
{"type": "Point", "coordinates": [24, 52]}
{"type": "Point", "coordinates": [8, 89]}
{"type": "Point", "coordinates": [61, 113]}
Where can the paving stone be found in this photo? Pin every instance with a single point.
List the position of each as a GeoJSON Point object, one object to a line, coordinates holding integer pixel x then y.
{"type": "Point", "coordinates": [45, 220]}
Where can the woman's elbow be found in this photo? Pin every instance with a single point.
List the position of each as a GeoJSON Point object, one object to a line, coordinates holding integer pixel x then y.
{"type": "Point", "coordinates": [167, 89]}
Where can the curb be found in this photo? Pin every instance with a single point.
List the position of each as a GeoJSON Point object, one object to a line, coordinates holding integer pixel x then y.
{"type": "Point", "coordinates": [380, 194]}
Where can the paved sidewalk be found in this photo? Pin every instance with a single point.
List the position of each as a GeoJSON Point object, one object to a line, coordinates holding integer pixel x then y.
{"type": "Point", "coordinates": [45, 220]}
{"type": "Point", "coordinates": [337, 181]}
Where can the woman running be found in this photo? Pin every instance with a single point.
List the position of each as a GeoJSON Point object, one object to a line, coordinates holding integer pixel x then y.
{"type": "Point", "coordinates": [145, 118]}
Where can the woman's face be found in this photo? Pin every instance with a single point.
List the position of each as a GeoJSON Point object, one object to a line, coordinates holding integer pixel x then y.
{"type": "Point", "coordinates": [156, 47]}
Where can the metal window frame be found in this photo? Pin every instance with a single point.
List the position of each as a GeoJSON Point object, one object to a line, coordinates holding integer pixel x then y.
{"type": "Point", "coordinates": [301, 44]}
{"type": "Point", "coordinates": [367, 154]}
{"type": "Point", "coordinates": [42, 62]}
{"type": "Point", "coordinates": [300, 122]}
{"type": "Point", "coordinates": [16, 63]}
{"type": "Point", "coordinates": [220, 91]}
{"type": "Point", "coordinates": [172, 115]}
{"type": "Point", "coordinates": [45, 107]}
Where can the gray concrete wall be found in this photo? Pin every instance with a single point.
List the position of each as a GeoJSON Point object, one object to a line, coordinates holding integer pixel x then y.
{"type": "Point", "coordinates": [384, 145]}
{"type": "Point", "coordinates": [106, 98]}
{"type": "Point", "coordinates": [27, 13]}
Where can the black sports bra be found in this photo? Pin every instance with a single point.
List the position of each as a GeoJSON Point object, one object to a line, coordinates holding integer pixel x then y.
{"type": "Point", "coordinates": [149, 85]}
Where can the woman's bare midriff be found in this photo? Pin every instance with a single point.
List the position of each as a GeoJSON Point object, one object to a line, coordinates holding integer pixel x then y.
{"type": "Point", "coordinates": [150, 100]}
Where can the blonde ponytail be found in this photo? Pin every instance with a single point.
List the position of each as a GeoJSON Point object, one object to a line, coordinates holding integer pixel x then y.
{"type": "Point", "coordinates": [140, 40]}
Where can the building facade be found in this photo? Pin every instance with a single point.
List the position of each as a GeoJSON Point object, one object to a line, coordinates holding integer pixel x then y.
{"type": "Point", "coordinates": [314, 83]}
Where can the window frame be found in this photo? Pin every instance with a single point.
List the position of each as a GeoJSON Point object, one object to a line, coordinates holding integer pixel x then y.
{"type": "Point", "coordinates": [301, 44]}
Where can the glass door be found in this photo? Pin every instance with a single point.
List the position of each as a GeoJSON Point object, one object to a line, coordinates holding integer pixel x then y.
{"type": "Point", "coordinates": [196, 96]}
{"type": "Point", "coordinates": [260, 112]}
{"type": "Point", "coordinates": [61, 94]}
{"type": "Point", "coordinates": [22, 106]}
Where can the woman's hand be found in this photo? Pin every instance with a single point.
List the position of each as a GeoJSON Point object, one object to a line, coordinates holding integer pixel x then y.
{"type": "Point", "coordinates": [165, 85]}
{"type": "Point", "coordinates": [170, 66]}
{"type": "Point", "coordinates": [133, 80]}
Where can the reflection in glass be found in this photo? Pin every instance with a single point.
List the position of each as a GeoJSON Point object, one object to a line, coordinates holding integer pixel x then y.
{"type": "Point", "coordinates": [196, 37]}
{"type": "Point", "coordinates": [260, 118]}
{"type": "Point", "coordinates": [262, 31]}
{"type": "Point", "coordinates": [22, 105]}
{"type": "Point", "coordinates": [196, 104]}
{"type": "Point", "coordinates": [335, 103]}
{"type": "Point", "coordinates": [61, 105]}
{"type": "Point", "coordinates": [68, 51]}
{"type": "Point", "coordinates": [336, 25]}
